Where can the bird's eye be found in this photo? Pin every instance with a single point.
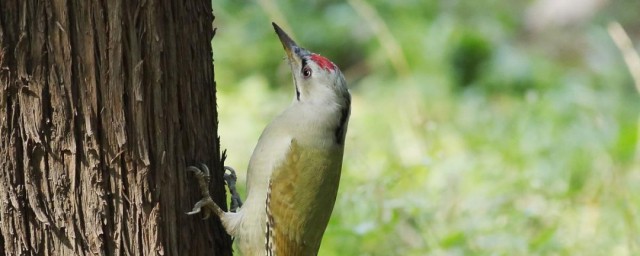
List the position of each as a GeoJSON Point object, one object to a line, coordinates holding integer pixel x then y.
{"type": "Point", "coordinates": [306, 72]}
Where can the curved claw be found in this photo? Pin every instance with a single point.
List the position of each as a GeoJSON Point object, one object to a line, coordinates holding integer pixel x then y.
{"type": "Point", "coordinates": [203, 175]}
{"type": "Point", "coordinates": [231, 179]}
{"type": "Point", "coordinates": [232, 172]}
{"type": "Point", "coordinates": [209, 207]}
{"type": "Point", "coordinates": [204, 171]}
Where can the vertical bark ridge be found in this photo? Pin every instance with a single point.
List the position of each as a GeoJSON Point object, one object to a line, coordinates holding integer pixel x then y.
{"type": "Point", "coordinates": [103, 103]}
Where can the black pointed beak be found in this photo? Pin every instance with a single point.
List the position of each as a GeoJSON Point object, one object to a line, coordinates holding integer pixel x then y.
{"type": "Point", "coordinates": [290, 46]}
{"type": "Point", "coordinates": [288, 43]}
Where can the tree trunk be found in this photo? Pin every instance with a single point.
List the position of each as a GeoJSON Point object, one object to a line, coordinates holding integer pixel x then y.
{"type": "Point", "coordinates": [102, 105]}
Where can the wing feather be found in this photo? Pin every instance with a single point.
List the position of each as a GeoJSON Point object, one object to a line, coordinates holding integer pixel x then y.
{"type": "Point", "coordinates": [302, 193]}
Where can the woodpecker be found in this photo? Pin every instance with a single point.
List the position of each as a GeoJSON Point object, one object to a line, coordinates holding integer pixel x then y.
{"type": "Point", "coordinates": [294, 172]}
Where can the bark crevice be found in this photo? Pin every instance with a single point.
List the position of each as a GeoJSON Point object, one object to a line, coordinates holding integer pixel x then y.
{"type": "Point", "coordinates": [103, 104]}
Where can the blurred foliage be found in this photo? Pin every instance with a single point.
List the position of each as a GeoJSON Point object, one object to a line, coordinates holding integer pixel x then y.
{"type": "Point", "coordinates": [500, 136]}
{"type": "Point", "coordinates": [470, 56]}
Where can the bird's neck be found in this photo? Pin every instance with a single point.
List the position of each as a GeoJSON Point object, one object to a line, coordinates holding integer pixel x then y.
{"type": "Point", "coordinates": [313, 123]}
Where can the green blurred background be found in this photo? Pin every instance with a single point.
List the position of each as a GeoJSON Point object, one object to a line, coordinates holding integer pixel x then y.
{"type": "Point", "coordinates": [480, 127]}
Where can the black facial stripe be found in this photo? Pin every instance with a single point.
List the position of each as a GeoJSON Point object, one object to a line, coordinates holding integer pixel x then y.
{"type": "Point", "coordinates": [295, 83]}
{"type": "Point", "coordinates": [341, 130]}
{"type": "Point", "coordinates": [304, 64]}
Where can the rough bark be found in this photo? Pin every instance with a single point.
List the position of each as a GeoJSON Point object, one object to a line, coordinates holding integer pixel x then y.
{"type": "Point", "coordinates": [102, 106]}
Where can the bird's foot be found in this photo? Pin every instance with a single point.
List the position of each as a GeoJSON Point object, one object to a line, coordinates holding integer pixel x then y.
{"type": "Point", "coordinates": [231, 178]}
{"type": "Point", "coordinates": [204, 176]}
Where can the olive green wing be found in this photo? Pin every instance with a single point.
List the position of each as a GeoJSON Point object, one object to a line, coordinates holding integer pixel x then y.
{"type": "Point", "coordinates": [301, 196]}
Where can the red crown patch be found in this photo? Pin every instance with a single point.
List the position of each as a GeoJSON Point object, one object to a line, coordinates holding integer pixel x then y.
{"type": "Point", "coordinates": [323, 62]}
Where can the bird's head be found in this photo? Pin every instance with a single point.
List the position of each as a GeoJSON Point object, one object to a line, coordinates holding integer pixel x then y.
{"type": "Point", "coordinates": [316, 79]}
